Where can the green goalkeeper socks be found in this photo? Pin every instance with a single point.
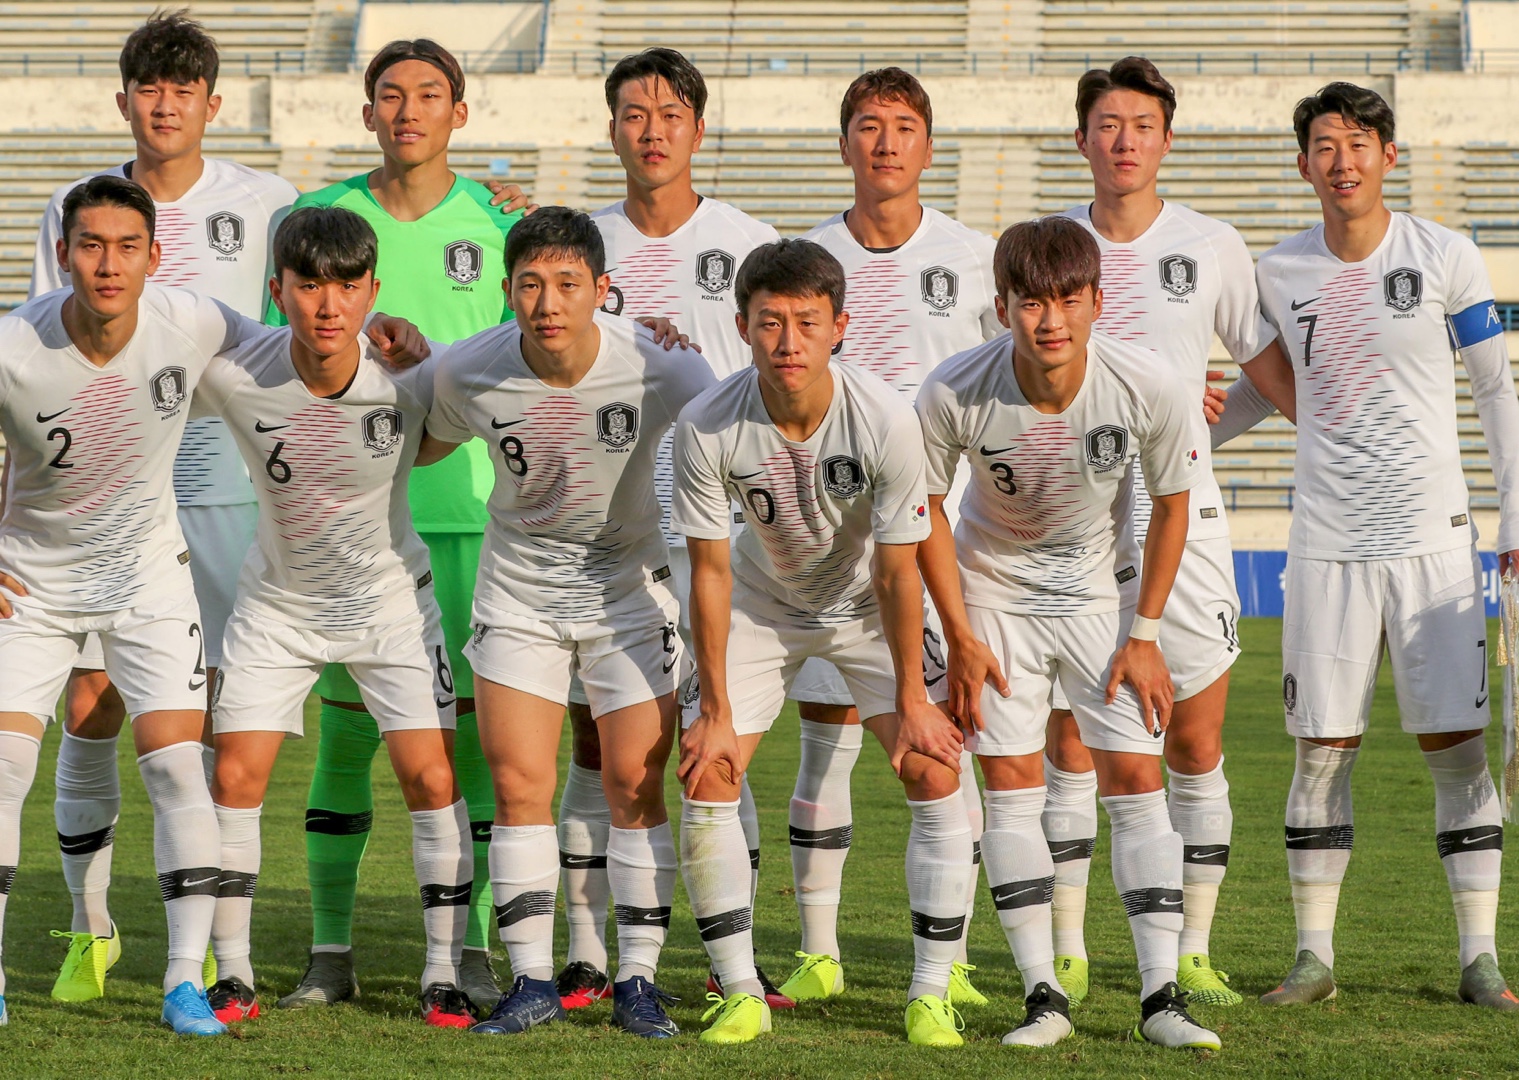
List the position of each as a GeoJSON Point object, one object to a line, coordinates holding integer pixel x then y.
{"type": "Point", "coordinates": [340, 811]}
{"type": "Point", "coordinates": [480, 796]}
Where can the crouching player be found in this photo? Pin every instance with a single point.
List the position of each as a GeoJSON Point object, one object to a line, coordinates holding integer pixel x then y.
{"type": "Point", "coordinates": [827, 460]}
{"type": "Point", "coordinates": [338, 575]}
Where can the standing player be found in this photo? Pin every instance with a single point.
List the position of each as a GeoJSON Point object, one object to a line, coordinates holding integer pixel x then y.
{"type": "Point", "coordinates": [1051, 420]}
{"type": "Point", "coordinates": [573, 578]}
{"type": "Point", "coordinates": [828, 462]}
{"type": "Point", "coordinates": [920, 289]}
{"type": "Point", "coordinates": [1369, 305]}
{"type": "Point", "coordinates": [214, 222]}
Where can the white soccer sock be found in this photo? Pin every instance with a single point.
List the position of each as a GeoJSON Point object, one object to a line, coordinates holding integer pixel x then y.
{"type": "Point", "coordinates": [187, 852]}
{"type": "Point", "coordinates": [1320, 833]}
{"type": "Point", "coordinates": [1022, 878]}
{"type": "Point", "coordinates": [524, 873]}
{"type": "Point", "coordinates": [822, 826]}
{"type": "Point", "coordinates": [641, 868]}
{"type": "Point", "coordinates": [584, 819]}
{"type": "Point", "coordinates": [443, 856]}
{"type": "Point", "coordinates": [1070, 827]}
{"type": "Point", "coordinates": [208, 763]}
{"type": "Point", "coordinates": [1147, 873]}
{"type": "Point", "coordinates": [748, 818]}
{"type": "Point", "coordinates": [18, 768]}
{"type": "Point", "coordinates": [85, 810]}
{"type": "Point", "coordinates": [972, 796]}
{"type": "Point", "coordinates": [938, 877]}
{"type": "Point", "coordinates": [1200, 811]}
{"type": "Point", "coordinates": [1469, 835]}
{"type": "Point", "coordinates": [712, 863]}
{"type": "Point", "coordinates": [232, 923]}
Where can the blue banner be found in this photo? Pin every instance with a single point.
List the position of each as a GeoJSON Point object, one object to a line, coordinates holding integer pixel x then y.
{"type": "Point", "coordinates": [1259, 577]}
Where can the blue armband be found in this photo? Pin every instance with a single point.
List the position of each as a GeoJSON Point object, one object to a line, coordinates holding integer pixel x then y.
{"type": "Point", "coordinates": [1474, 325]}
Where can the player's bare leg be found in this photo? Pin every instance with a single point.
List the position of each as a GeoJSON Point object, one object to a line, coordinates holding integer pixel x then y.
{"type": "Point", "coordinates": [1069, 821]}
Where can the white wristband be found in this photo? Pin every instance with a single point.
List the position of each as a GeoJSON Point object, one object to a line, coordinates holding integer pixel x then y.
{"type": "Point", "coordinates": [1143, 629]}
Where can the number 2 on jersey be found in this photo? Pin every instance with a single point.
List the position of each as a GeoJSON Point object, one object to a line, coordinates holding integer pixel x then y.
{"type": "Point", "coordinates": [68, 441]}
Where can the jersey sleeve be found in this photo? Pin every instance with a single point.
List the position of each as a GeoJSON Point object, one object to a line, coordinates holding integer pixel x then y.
{"type": "Point", "coordinates": [685, 374]}
{"type": "Point", "coordinates": [940, 434]}
{"type": "Point", "coordinates": [211, 392]}
{"type": "Point", "coordinates": [1167, 455]}
{"type": "Point", "coordinates": [899, 508]}
{"type": "Point", "coordinates": [1237, 318]}
{"type": "Point", "coordinates": [991, 326]}
{"type": "Point", "coordinates": [700, 505]}
{"type": "Point", "coordinates": [47, 275]}
{"type": "Point", "coordinates": [1245, 408]}
{"type": "Point", "coordinates": [445, 420]}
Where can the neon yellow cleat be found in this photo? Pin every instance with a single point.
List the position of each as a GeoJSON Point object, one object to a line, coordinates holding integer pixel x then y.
{"type": "Point", "coordinates": [739, 1019]}
{"type": "Point", "coordinates": [931, 1021]}
{"type": "Point", "coordinates": [817, 978]}
{"type": "Point", "coordinates": [82, 977]}
{"type": "Point", "coordinates": [961, 992]}
{"type": "Point", "coordinates": [1202, 984]}
{"type": "Point", "coordinates": [1071, 971]}
{"type": "Point", "coordinates": [208, 968]}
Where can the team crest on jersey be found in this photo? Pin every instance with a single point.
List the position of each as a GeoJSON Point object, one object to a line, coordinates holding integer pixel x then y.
{"type": "Point", "coordinates": [167, 388]}
{"type": "Point", "coordinates": [1289, 691]}
{"type": "Point", "coordinates": [382, 429]}
{"type": "Point", "coordinates": [941, 287]}
{"type": "Point", "coordinates": [843, 477]}
{"type": "Point", "coordinates": [617, 424]}
{"type": "Point", "coordinates": [714, 271]}
{"type": "Point", "coordinates": [1178, 275]}
{"type": "Point", "coordinates": [462, 261]}
{"type": "Point", "coordinates": [1106, 446]}
{"type": "Point", "coordinates": [1403, 289]}
{"type": "Point", "coordinates": [224, 232]}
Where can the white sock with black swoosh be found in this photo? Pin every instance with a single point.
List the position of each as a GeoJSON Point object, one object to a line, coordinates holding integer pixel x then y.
{"type": "Point", "coordinates": [1200, 812]}
{"type": "Point", "coordinates": [1070, 827]}
{"type": "Point", "coordinates": [85, 809]}
{"type": "Point", "coordinates": [18, 768]}
{"type": "Point", "coordinates": [713, 858]}
{"type": "Point", "coordinates": [1320, 834]}
{"type": "Point", "coordinates": [1147, 864]}
{"type": "Point", "coordinates": [971, 793]}
{"type": "Point", "coordinates": [241, 858]}
{"type": "Point", "coordinates": [821, 822]}
{"type": "Point", "coordinates": [1022, 879]}
{"type": "Point", "coordinates": [938, 877]}
{"type": "Point", "coordinates": [524, 862]}
{"type": "Point", "coordinates": [641, 867]}
{"type": "Point", "coordinates": [187, 852]}
{"type": "Point", "coordinates": [1469, 835]}
{"type": "Point", "coordinates": [443, 855]}
{"type": "Point", "coordinates": [584, 820]}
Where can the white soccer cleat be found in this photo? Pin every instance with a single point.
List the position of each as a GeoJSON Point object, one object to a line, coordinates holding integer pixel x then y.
{"type": "Point", "coordinates": [1164, 1021]}
{"type": "Point", "coordinates": [1048, 1020]}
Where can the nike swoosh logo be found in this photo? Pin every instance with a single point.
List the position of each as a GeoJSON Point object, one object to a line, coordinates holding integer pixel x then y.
{"type": "Point", "coordinates": [1203, 854]}
{"type": "Point", "coordinates": [997, 898]}
{"type": "Point", "coordinates": [1465, 840]}
{"type": "Point", "coordinates": [669, 667]}
{"type": "Point", "coordinates": [1481, 701]}
{"type": "Point", "coordinates": [458, 894]}
{"type": "Point", "coordinates": [197, 685]}
{"type": "Point", "coordinates": [1299, 307]}
{"type": "Point", "coordinates": [934, 929]}
{"type": "Point", "coordinates": [935, 679]}
{"type": "Point", "coordinates": [1169, 903]}
{"type": "Point", "coordinates": [650, 916]}
{"type": "Point", "coordinates": [993, 453]}
{"type": "Point", "coordinates": [187, 884]}
{"type": "Point", "coordinates": [748, 475]}
{"type": "Point", "coordinates": [44, 419]}
{"type": "Point", "coordinates": [578, 860]}
{"type": "Point", "coordinates": [498, 425]}
{"type": "Point", "coordinates": [263, 429]}
{"type": "Point", "coordinates": [69, 849]}
{"type": "Point", "coordinates": [443, 703]}
{"type": "Point", "coordinates": [1067, 850]}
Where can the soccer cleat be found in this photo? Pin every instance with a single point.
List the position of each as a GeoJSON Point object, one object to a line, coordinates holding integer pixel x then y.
{"type": "Point", "coordinates": [739, 1019]}
{"type": "Point", "coordinates": [773, 997]}
{"type": "Point", "coordinates": [582, 983]}
{"type": "Point", "coordinates": [638, 1006]}
{"type": "Point", "coordinates": [1204, 985]}
{"type": "Point", "coordinates": [817, 978]}
{"type": "Point", "coordinates": [5, 1017]}
{"type": "Point", "coordinates": [961, 991]}
{"type": "Point", "coordinates": [188, 1013]}
{"type": "Point", "coordinates": [1309, 980]}
{"type": "Point", "coordinates": [1164, 1021]}
{"type": "Point", "coordinates": [932, 1021]}
{"type": "Point", "coordinates": [207, 966]}
{"type": "Point", "coordinates": [1072, 972]}
{"type": "Point", "coordinates": [446, 1006]}
{"type": "Point", "coordinates": [82, 977]}
{"type": "Point", "coordinates": [232, 1000]}
{"type": "Point", "coordinates": [527, 1004]}
{"type": "Point", "coordinates": [1047, 1021]}
{"type": "Point", "coordinates": [1482, 984]}
{"type": "Point", "coordinates": [478, 980]}
{"type": "Point", "coordinates": [328, 980]}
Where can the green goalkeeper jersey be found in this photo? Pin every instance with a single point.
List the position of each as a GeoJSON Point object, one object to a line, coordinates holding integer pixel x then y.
{"type": "Point", "coordinates": [444, 272]}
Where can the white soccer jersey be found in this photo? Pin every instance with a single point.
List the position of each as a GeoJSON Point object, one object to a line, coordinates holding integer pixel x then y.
{"type": "Point", "coordinates": [89, 521]}
{"type": "Point", "coordinates": [1378, 467]}
{"type": "Point", "coordinates": [1038, 525]}
{"type": "Point", "coordinates": [336, 548]}
{"type": "Point", "coordinates": [216, 239]}
{"type": "Point", "coordinates": [814, 510]}
{"type": "Point", "coordinates": [574, 522]}
{"type": "Point", "coordinates": [1186, 278]}
{"type": "Point", "coordinates": [912, 306]}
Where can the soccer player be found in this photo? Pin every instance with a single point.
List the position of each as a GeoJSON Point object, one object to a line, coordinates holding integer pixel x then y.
{"type": "Point", "coordinates": [214, 222]}
{"type": "Point", "coordinates": [574, 578]}
{"type": "Point", "coordinates": [920, 290]}
{"type": "Point", "coordinates": [827, 461]}
{"type": "Point", "coordinates": [1171, 279]}
{"type": "Point", "coordinates": [673, 254]}
{"type": "Point", "coordinates": [1050, 420]}
{"type": "Point", "coordinates": [1369, 305]}
{"type": "Point", "coordinates": [338, 575]}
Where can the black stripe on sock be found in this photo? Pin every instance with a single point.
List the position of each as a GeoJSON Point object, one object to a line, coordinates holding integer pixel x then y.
{"type": "Point", "coordinates": [1072, 850]}
{"type": "Point", "coordinates": [480, 831]}
{"type": "Point", "coordinates": [194, 881]}
{"type": "Point", "coordinates": [1478, 838]}
{"type": "Point", "coordinates": [569, 860]}
{"type": "Point", "coordinates": [1206, 854]}
{"type": "Point", "coordinates": [1152, 902]}
{"type": "Point", "coordinates": [1321, 838]}
{"type": "Point", "coordinates": [86, 843]}
{"type": "Point", "coordinates": [7, 879]}
{"type": "Point", "coordinates": [754, 858]}
{"type": "Point", "coordinates": [641, 916]}
{"type": "Point", "coordinates": [235, 883]}
{"type": "Point", "coordinates": [946, 929]}
{"type": "Point", "coordinates": [1021, 894]}
{"type": "Point", "coordinates": [824, 839]}
{"type": "Point", "coordinates": [332, 823]}
{"type": "Point", "coordinates": [975, 852]}
{"type": "Point", "coordinates": [449, 895]}
{"type": "Point", "coordinates": [737, 921]}
{"type": "Point", "coordinates": [525, 906]}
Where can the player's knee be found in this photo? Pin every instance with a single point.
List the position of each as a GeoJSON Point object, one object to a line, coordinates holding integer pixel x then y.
{"type": "Point", "coordinates": [516, 789]}
{"type": "Point", "coordinates": [1063, 745]}
{"type": "Point", "coordinates": [925, 779]}
{"type": "Point", "coordinates": [1196, 754]}
{"type": "Point", "coordinates": [234, 783]}
{"type": "Point", "coordinates": [431, 787]}
{"type": "Point", "coordinates": [718, 784]}
{"type": "Point", "coordinates": [1444, 740]}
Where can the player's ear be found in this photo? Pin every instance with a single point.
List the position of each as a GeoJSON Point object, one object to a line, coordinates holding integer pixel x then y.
{"type": "Point", "coordinates": [843, 149]}
{"type": "Point", "coordinates": [61, 249]}
{"type": "Point", "coordinates": [1302, 167]}
{"type": "Point", "coordinates": [701, 129]}
{"type": "Point", "coordinates": [739, 319]}
{"type": "Point", "coordinates": [603, 286]}
{"type": "Point", "coordinates": [840, 324]}
{"type": "Point", "coordinates": [368, 116]}
{"type": "Point", "coordinates": [213, 106]}
{"type": "Point", "coordinates": [121, 104]}
{"type": "Point", "coordinates": [154, 254]}
{"type": "Point", "coordinates": [928, 162]}
{"type": "Point", "coordinates": [1096, 304]}
{"type": "Point", "coordinates": [276, 294]}
{"type": "Point", "coordinates": [1002, 315]}
{"type": "Point", "coordinates": [374, 291]}
{"type": "Point", "coordinates": [461, 115]}
{"type": "Point", "coordinates": [1081, 142]}
{"type": "Point", "coordinates": [1166, 148]}
{"type": "Point", "coordinates": [1390, 155]}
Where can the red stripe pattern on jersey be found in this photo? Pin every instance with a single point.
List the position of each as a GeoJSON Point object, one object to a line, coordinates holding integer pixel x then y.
{"type": "Point", "coordinates": [1123, 295]}
{"type": "Point", "coordinates": [880, 324]}
{"type": "Point", "coordinates": [647, 280]}
{"type": "Point", "coordinates": [178, 237]}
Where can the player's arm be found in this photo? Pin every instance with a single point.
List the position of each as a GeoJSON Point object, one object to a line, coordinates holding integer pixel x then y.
{"type": "Point", "coordinates": [1478, 334]}
{"type": "Point", "coordinates": [434, 450]}
{"type": "Point", "coordinates": [1266, 382]}
{"type": "Point", "coordinates": [7, 583]}
{"type": "Point", "coordinates": [1266, 379]}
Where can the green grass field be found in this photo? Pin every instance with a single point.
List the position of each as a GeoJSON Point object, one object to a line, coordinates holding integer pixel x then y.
{"type": "Point", "coordinates": [1396, 1013]}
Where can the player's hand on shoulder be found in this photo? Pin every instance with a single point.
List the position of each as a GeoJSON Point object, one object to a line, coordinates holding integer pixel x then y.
{"type": "Point", "coordinates": [709, 743]}
{"type": "Point", "coordinates": [400, 343]}
{"type": "Point", "coordinates": [509, 197]}
{"type": "Point", "coordinates": [972, 666]}
{"type": "Point", "coordinates": [9, 584]}
{"type": "Point", "coordinates": [666, 333]}
{"type": "Point", "coordinates": [1214, 398]}
{"type": "Point", "coordinates": [926, 729]}
{"type": "Point", "coordinates": [1141, 665]}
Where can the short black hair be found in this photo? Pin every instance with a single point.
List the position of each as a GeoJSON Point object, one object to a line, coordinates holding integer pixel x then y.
{"type": "Point", "coordinates": [169, 46]}
{"type": "Point", "coordinates": [325, 243]}
{"type": "Point", "coordinates": [107, 191]}
{"type": "Point", "coordinates": [886, 84]}
{"type": "Point", "coordinates": [660, 63]}
{"type": "Point", "coordinates": [423, 49]}
{"type": "Point", "coordinates": [1356, 105]}
{"type": "Point", "coordinates": [1046, 259]}
{"type": "Point", "coordinates": [791, 267]}
{"type": "Point", "coordinates": [1131, 73]}
{"type": "Point", "coordinates": [556, 230]}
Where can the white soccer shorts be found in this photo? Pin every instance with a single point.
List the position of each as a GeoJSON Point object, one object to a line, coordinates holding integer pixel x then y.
{"type": "Point", "coordinates": [680, 585]}
{"type": "Point", "coordinates": [270, 666]}
{"type": "Point", "coordinates": [1427, 609]}
{"type": "Point", "coordinates": [152, 653]}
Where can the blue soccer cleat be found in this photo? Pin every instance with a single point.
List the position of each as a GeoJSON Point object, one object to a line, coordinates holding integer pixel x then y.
{"type": "Point", "coordinates": [188, 1013]}
{"type": "Point", "coordinates": [5, 1017]}
{"type": "Point", "coordinates": [638, 1006]}
{"type": "Point", "coordinates": [527, 1004]}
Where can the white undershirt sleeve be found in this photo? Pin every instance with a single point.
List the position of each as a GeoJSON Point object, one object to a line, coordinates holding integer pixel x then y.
{"type": "Point", "coordinates": [1487, 365]}
{"type": "Point", "coordinates": [1245, 408]}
